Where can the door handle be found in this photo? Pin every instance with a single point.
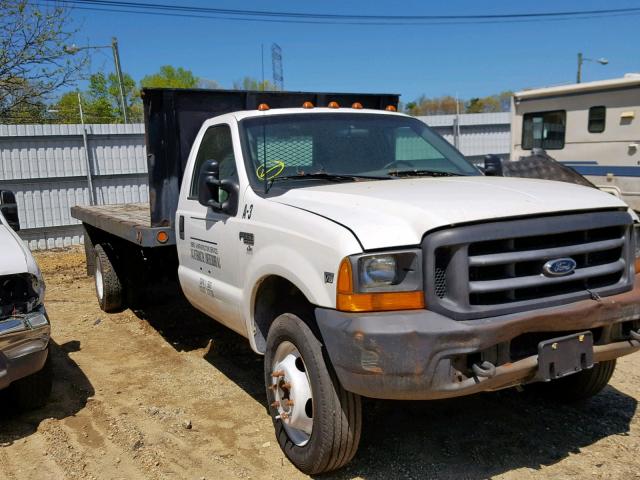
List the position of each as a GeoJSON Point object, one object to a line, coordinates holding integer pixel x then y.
{"type": "Point", "coordinates": [181, 227]}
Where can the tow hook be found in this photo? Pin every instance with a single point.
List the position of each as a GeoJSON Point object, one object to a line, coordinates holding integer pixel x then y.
{"type": "Point", "coordinates": [635, 335]}
{"type": "Point", "coordinates": [484, 369]}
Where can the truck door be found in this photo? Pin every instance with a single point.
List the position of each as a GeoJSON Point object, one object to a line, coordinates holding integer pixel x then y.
{"type": "Point", "coordinates": [205, 240]}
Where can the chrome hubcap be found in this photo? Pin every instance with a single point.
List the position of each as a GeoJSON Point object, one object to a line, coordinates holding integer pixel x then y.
{"type": "Point", "coordinates": [99, 285]}
{"type": "Point", "coordinates": [292, 392]}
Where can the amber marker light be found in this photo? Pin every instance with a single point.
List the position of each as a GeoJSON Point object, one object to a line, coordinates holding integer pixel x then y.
{"type": "Point", "coordinates": [349, 301]}
{"type": "Point", "coordinates": [637, 265]}
{"type": "Point", "coordinates": [263, 107]}
{"type": "Point", "coordinates": [162, 236]}
{"type": "Point", "coordinates": [391, 108]}
{"type": "Point", "coordinates": [333, 105]}
{"type": "Point", "coordinates": [357, 105]}
{"type": "Point", "coordinates": [307, 105]}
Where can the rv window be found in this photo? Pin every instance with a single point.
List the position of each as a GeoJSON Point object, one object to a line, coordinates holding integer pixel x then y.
{"type": "Point", "coordinates": [544, 130]}
{"type": "Point", "coordinates": [597, 117]}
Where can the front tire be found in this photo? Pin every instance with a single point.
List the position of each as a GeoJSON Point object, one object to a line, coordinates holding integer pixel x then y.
{"type": "Point", "coordinates": [579, 386]}
{"type": "Point", "coordinates": [109, 289]}
{"type": "Point", "coordinates": [317, 422]}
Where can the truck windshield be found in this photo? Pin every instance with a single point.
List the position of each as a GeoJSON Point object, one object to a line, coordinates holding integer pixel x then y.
{"type": "Point", "coordinates": [336, 146]}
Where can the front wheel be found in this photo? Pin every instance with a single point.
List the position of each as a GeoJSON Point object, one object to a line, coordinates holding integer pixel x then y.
{"type": "Point", "coordinates": [317, 422]}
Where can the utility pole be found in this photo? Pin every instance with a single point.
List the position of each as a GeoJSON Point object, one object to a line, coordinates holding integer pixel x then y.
{"type": "Point", "coordinates": [73, 49]}
{"type": "Point", "coordinates": [116, 60]}
{"type": "Point", "coordinates": [581, 60]}
{"type": "Point", "coordinates": [579, 76]}
{"type": "Point", "coordinates": [85, 141]}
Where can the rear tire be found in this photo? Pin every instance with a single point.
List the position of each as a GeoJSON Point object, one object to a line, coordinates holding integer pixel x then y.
{"type": "Point", "coordinates": [579, 386]}
{"type": "Point", "coordinates": [109, 289]}
{"type": "Point", "coordinates": [33, 391]}
{"type": "Point", "coordinates": [335, 414]}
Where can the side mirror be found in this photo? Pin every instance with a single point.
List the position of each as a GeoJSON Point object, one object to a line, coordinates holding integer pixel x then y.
{"type": "Point", "coordinates": [493, 166]}
{"type": "Point", "coordinates": [210, 185]}
{"type": "Point", "coordinates": [9, 209]}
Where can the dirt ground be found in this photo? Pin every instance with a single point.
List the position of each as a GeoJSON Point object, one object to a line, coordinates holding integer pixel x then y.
{"type": "Point", "coordinates": [168, 394]}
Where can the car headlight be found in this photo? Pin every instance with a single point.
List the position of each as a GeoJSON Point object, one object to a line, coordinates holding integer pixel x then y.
{"type": "Point", "coordinates": [381, 281]}
{"type": "Point", "coordinates": [378, 270]}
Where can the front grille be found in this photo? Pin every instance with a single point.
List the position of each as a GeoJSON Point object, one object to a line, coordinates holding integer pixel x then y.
{"type": "Point", "coordinates": [497, 268]}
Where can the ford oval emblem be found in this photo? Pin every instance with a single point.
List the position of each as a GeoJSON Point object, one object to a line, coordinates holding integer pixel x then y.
{"type": "Point", "coordinates": [559, 267]}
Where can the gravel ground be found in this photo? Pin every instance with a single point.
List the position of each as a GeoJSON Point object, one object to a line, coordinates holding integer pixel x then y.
{"type": "Point", "coordinates": [168, 394]}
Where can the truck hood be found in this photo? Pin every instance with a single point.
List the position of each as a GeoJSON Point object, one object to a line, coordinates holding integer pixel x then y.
{"type": "Point", "coordinates": [12, 255]}
{"type": "Point", "coordinates": [393, 213]}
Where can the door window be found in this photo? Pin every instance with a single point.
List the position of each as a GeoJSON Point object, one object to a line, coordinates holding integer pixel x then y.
{"type": "Point", "coordinates": [216, 145]}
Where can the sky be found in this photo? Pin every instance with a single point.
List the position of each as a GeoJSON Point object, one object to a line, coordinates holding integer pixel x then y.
{"type": "Point", "coordinates": [460, 60]}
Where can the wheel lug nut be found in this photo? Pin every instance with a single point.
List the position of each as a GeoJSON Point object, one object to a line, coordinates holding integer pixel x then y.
{"type": "Point", "coordinates": [277, 374]}
{"type": "Point", "coordinates": [286, 386]}
{"type": "Point", "coordinates": [288, 403]}
{"type": "Point", "coordinates": [275, 404]}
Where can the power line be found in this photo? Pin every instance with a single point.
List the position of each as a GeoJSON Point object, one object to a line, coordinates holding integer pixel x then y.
{"type": "Point", "coordinates": [329, 18]}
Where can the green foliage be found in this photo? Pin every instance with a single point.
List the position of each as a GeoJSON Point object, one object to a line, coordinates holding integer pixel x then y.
{"type": "Point", "coordinates": [447, 104]}
{"type": "Point", "coordinates": [101, 102]}
{"type": "Point", "coordinates": [171, 77]}
{"type": "Point", "coordinates": [250, 83]}
{"type": "Point", "coordinates": [432, 106]}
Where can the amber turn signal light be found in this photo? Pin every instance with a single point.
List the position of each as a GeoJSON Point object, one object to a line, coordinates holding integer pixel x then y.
{"type": "Point", "coordinates": [348, 301]}
{"type": "Point", "coordinates": [263, 107]}
{"type": "Point", "coordinates": [162, 236]}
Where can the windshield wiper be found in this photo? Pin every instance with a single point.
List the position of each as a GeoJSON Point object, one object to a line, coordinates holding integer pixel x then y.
{"type": "Point", "coordinates": [336, 177]}
{"type": "Point", "coordinates": [423, 173]}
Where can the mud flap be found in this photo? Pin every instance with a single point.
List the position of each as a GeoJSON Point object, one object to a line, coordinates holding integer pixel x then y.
{"type": "Point", "coordinates": [559, 357]}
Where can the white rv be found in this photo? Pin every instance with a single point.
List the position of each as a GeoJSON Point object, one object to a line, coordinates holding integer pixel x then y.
{"type": "Point", "coordinates": [592, 127]}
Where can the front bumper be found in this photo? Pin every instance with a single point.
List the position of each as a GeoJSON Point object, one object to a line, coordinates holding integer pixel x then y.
{"type": "Point", "coordinates": [23, 345]}
{"type": "Point", "coordinates": [425, 355]}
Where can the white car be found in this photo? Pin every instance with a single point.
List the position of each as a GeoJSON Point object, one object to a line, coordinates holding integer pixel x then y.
{"type": "Point", "coordinates": [25, 364]}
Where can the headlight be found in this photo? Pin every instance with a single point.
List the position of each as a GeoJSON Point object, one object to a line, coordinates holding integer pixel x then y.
{"type": "Point", "coordinates": [378, 270]}
{"type": "Point", "coordinates": [382, 281]}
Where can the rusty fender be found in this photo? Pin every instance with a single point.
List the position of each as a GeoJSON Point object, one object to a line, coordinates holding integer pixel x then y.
{"type": "Point", "coordinates": [411, 354]}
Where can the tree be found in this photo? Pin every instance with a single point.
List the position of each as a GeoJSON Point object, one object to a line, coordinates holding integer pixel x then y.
{"type": "Point", "coordinates": [210, 84]}
{"type": "Point", "coordinates": [103, 99]}
{"type": "Point", "coordinates": [101, 102]}
{"type": "Point", "coordinates": [250, 83]}
{"type": "Point", "coordinates": [171, 77]}
{"type": "Point", "coordinates": [432, 106]}
{"type": "Point", "coordinates": [33, 63]}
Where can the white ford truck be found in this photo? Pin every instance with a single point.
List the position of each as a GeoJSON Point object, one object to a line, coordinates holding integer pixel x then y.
{"type": "Point", "coordinates": [25, 364]}
{"type": "Point", "coordinates": [364, 256]}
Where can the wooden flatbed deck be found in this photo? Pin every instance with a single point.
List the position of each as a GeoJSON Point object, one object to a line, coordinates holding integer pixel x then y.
{"type": "Point", "coordinates": [130, 221]}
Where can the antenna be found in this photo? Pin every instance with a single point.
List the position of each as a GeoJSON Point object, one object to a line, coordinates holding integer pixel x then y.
{"type": "Point", "coordinates": [276, 62]}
